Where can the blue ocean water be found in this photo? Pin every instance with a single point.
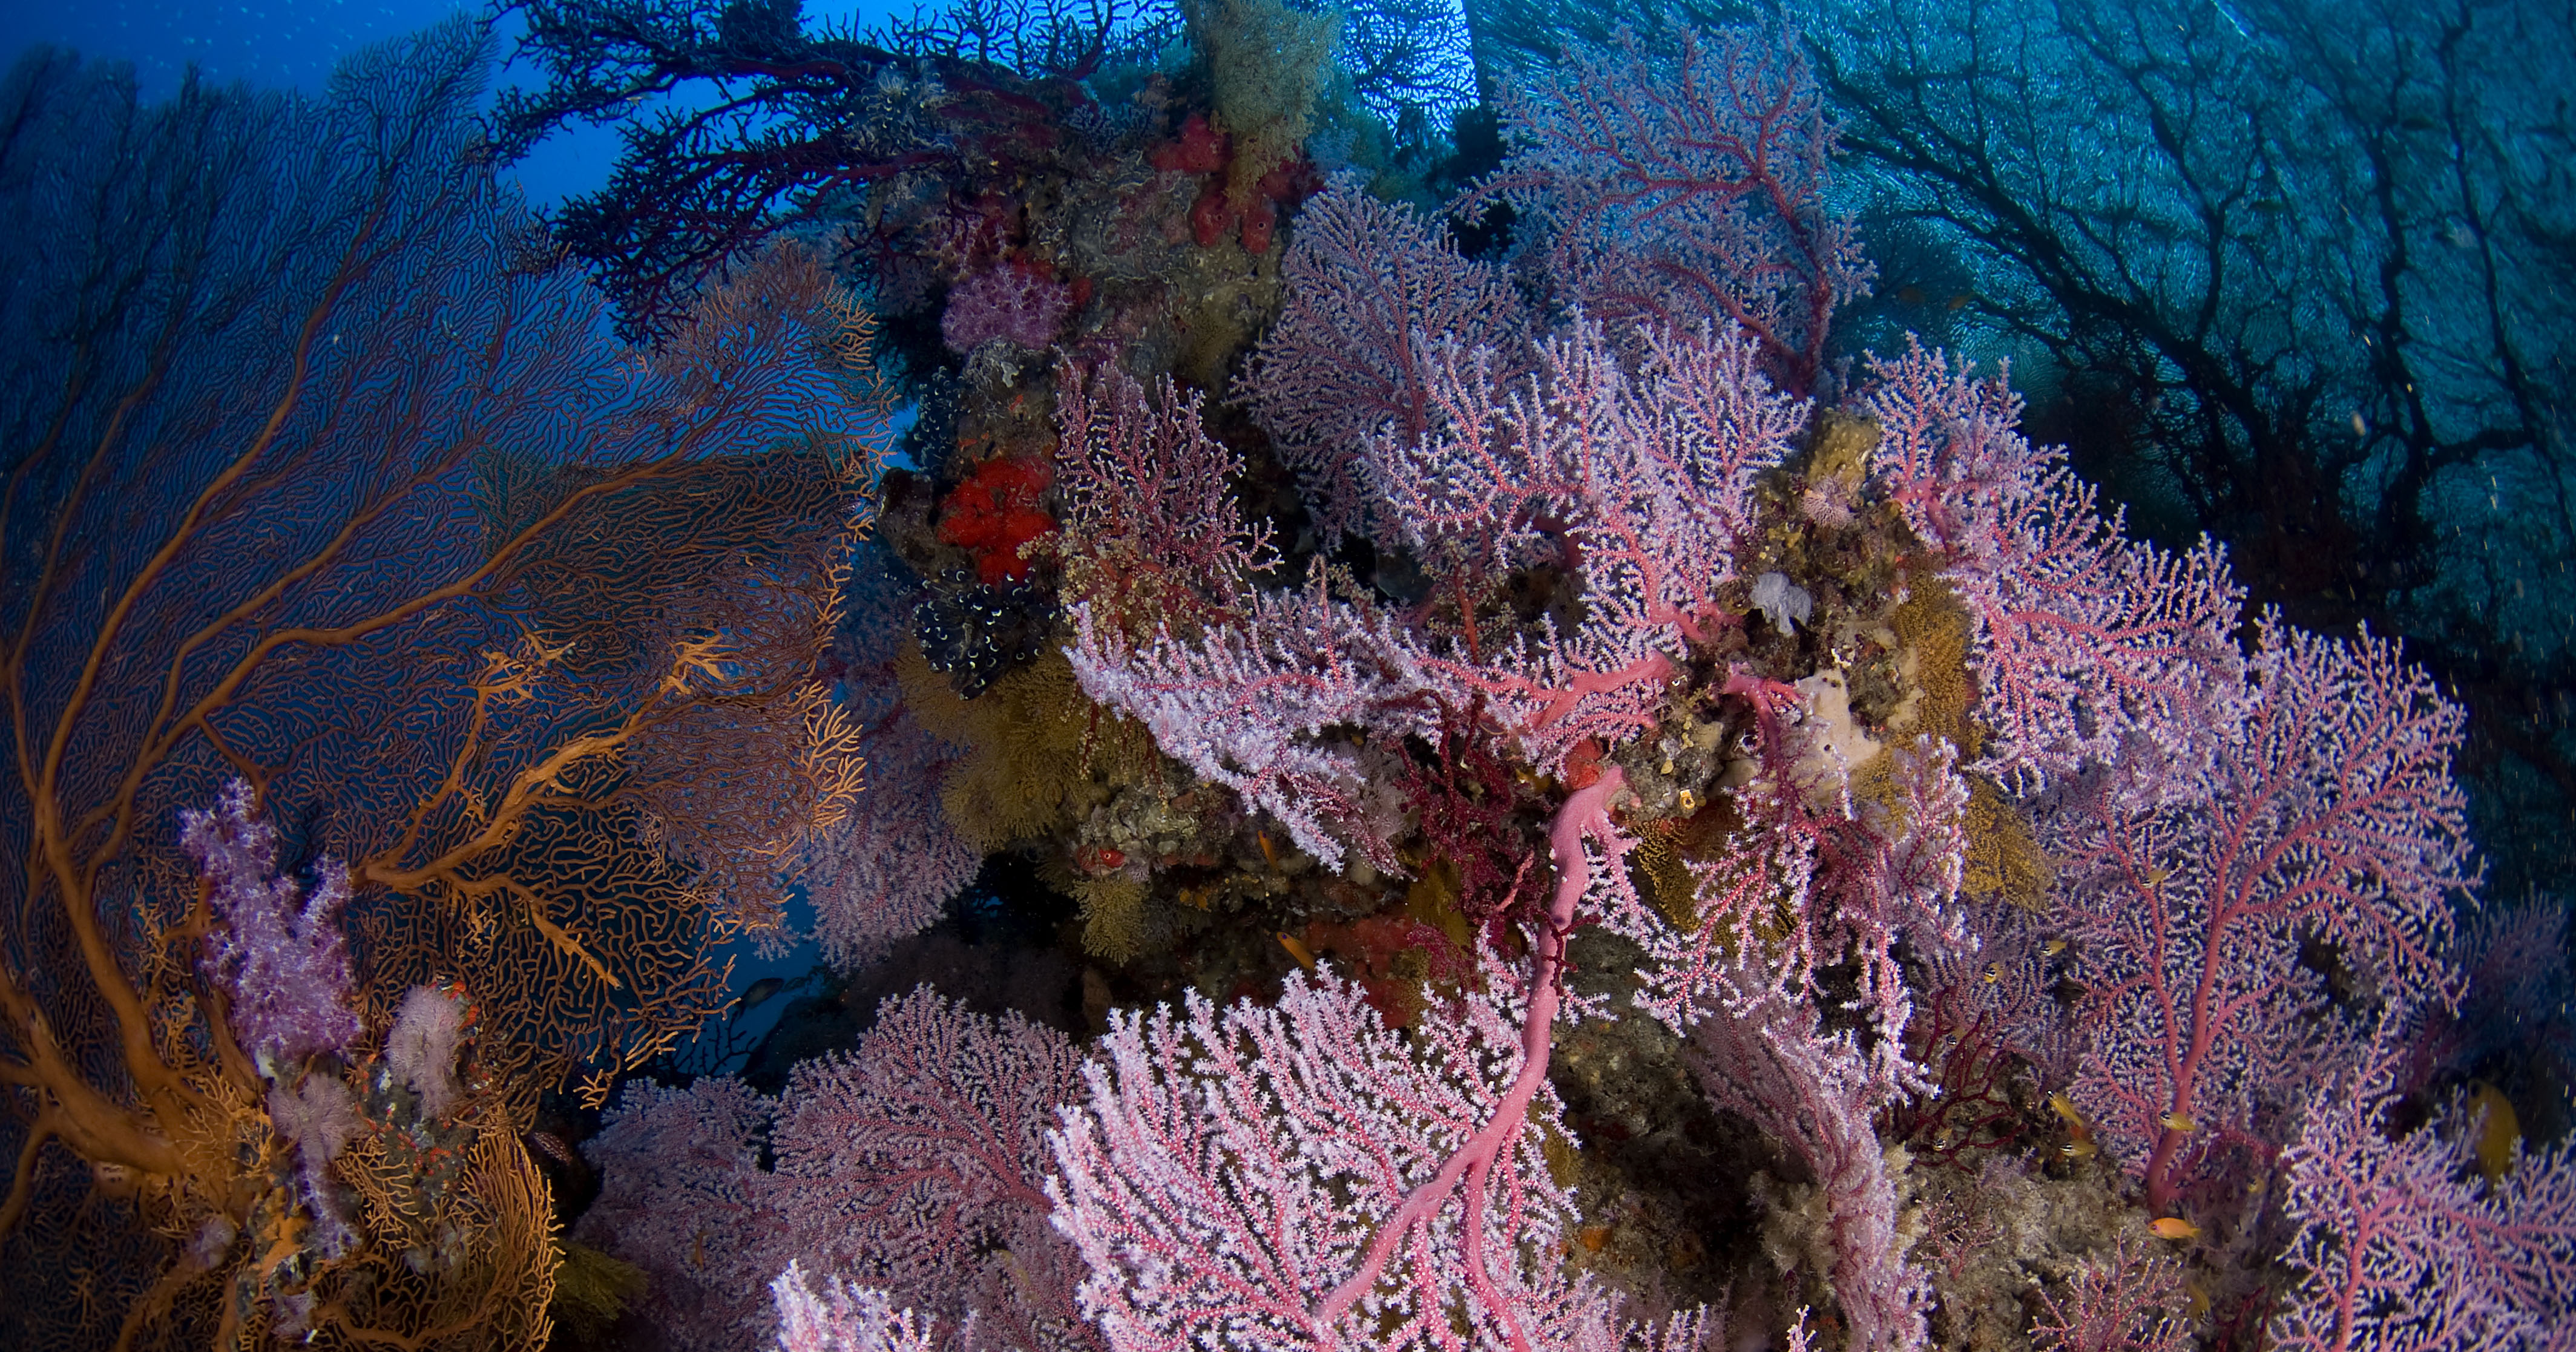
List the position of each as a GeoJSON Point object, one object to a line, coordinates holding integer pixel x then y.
{"type": "Point", "coordinates": [293, 44]}
{"type": "Point", "coordinates": [269, 43]}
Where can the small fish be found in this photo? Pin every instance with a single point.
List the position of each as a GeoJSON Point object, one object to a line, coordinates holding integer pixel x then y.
{"type": "Point", "coordinates": [2173, 1227]}
{"type": "Point", "coordinates": [2498, 1130]}
{"type": "Point", "coordinates": [2178, 1122]}
{"type": "Point", "coordinates": [760, 991]}
{"type": "Point", "coordinates": [2359, 428]}
{"type": "Point", "coordinates": [1296, 949]}
{"type": "Point", "coordinates": [2079, 1146]}
{"type": "Point", "coordinates": [1268, 851]}
{"type": "Point", "coordinates": [1911, 295]}
{"type": "Point", "coordinates": [2053, 947]}
{"type": "Point", "coordinates": [1959, 301]}
{"type": "Point", "coordinates": [1994, 972]}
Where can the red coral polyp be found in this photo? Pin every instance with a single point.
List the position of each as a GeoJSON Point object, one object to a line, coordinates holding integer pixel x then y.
{"type": "Point", "coordinates": [1201, 149]}
{"type": "Point", "coordinates": [995, 512]}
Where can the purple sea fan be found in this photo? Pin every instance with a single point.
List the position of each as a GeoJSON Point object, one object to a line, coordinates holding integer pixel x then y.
{"type": "Point", "coordinates": [283, 968]}
{"type": "Point", "coordinates": [841, 1317]}
{"type": "Point", "coordinates": [2401, 1247]}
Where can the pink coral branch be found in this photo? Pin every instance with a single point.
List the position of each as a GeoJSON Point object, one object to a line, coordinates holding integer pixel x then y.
{"type": "Point", "coordinates": [2086, 641]}
{"type": "Point", "coordinates": [1584, 815]}
{"type": "Point", "coordinates": [1673, 188]}
{"type": "Point", "coordinates": [1244, 708]}
{"type": "Point", "coordinates": [2400, 1253]}
{"type": "Point", "coordinates": [1143, 479]}
{"type": "Point", "coordinates": [1641, 482]}
{"type": "Point", "coordinates": [2328, 809]}
{"type": "Point", "coordinates": [1371, 290]}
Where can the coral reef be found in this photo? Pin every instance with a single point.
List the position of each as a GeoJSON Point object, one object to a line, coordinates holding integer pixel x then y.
{"type": "Point", "coordinates": [1365, 774]}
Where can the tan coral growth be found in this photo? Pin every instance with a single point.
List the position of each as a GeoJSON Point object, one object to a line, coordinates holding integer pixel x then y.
{"type": "Point", "coordinates": [2004, 861]}
{"type": "Point", "coordinates": [480, 1270]}
{"type": "Point", "coordinates": [1269, 64]}
{"type": "Point", "coordinates": [1035, 753]}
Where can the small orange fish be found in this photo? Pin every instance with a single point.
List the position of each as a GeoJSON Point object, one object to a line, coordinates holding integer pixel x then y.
{"type": "Point", "coordinates": [2173, 1227]}
{"type": "Point", "coordinates": [1267, 851]}
{"type": "Point", "coordinates": [2053, 947]}
{"type": "Point", "coordinates": [1305, 956]}
{"type": "Point", "coordinates": [2178, 1122]}
{"type": "Point", "coordinates": [2079, 1145]}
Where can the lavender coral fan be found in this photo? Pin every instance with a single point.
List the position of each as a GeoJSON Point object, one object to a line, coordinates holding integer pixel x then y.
{"type": "Point", "coordinates": [2399, 1252]}
{"type": "Point", "coordinates": [914, 1164]}
{"type": "Point", "coordinates": [283, 967]}
{"type": "Point", "coordinates": [841, 1317]}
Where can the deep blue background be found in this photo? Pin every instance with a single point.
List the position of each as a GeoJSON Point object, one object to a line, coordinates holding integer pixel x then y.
{"type": "Point", "coordinates": [274, 44]}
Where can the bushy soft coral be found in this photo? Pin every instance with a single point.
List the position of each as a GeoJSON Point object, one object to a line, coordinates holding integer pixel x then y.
{"type": "Point", "coordinates": [993, 513]}
{"type": "Point", "coordinates": [1015, 301]}
{"type": "Point", "coordinates": [284, 966]}
{"type": "Point", "coordinates": [422, 1047]}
